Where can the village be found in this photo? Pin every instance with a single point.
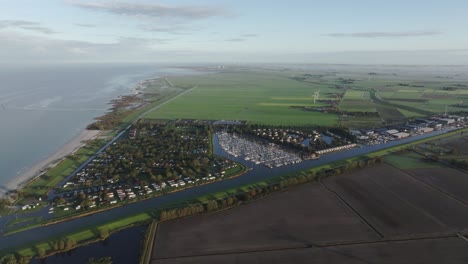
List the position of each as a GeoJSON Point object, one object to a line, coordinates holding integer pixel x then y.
{"type": "Point", "coordinates": [142, 164]}
{"type": "Point", "coordinates": [151, 160]}
{"type": "Point", "coordinates": [418, 126]}
{"type": "Point", "coordinates": [276, 147]}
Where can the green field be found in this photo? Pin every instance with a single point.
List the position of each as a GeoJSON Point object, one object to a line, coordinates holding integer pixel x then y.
{"type": "Point", "coordinates": [276, 97]}
{"type": "Point", "coordinates": [429, 97]}
{"type": "Point", "coordinates": [357, 101]}
{"type": "Point", "coordinates": [41, 185]}
{"type": "Point", "coordinates": [84, 236]}
{"type": "Point", "coordinates": [264, 98]}
{"type": "Point", "coordinates": [409, 160]}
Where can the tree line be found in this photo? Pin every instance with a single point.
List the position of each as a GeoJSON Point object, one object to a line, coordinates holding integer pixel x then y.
{"type": "Point", "coordinates": [258, 192]}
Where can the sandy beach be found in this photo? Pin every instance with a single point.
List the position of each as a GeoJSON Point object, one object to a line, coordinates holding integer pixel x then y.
{"type": "Point", "coordinates": [41, 166]}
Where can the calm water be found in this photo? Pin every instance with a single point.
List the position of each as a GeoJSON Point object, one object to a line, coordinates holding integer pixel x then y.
{"type": "Point", "coordinates": [124, 247]}
{"type": "Point", "coordinates": [42, 108]}
{"type": "Point", "coordinates": [257, 173]}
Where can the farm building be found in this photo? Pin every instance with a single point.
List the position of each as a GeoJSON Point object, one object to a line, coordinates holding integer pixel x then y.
{"type": "Point", "coordinates": [355, 133]}
{"type": "Point", "coordinates": [368, 132]}
{"type": "Point", "coordinates": [401, 135]}
{"type": "Point", "coordinates": [447, 121]}
{"type": "Point", "coordinates": [392, 131]}
{"type": "Point", "coordinates": [426, 129]}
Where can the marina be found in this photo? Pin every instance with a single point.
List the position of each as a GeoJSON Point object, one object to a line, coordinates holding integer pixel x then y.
{"type": "Point", "coordinates": [270, 155]}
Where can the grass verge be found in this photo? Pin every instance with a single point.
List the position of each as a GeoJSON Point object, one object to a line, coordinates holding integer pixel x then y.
{"type": "Point", "coordinates": [148, 243]}
{"type": "Point", "coordinates": [93, 233]}
{"type": "Point", "coordinates": [83, 237]}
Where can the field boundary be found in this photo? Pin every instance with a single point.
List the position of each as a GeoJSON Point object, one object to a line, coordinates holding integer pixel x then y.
{"type": "Point", "coordinates": [323, 246]}
{"type": "Point", "coordinates": [429, 185]}
{"type": "Point", "coordinates": [150, 237]}
{"type": "Point", "coordinates": [368, 224]}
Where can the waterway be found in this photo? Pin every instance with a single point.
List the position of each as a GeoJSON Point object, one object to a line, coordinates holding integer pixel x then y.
{"type": "Point", "coordinates": [256, 173]}
{"type": "Point", "coordinates": [123, 247]}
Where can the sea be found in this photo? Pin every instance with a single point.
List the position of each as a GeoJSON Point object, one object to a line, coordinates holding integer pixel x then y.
{"type": "Point", "coordinates": [42, 107]}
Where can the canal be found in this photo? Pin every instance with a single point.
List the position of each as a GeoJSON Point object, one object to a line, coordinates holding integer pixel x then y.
{"type": "Point", "coordinates": [257, 173]}
{"type": "Point", "coordinates": [123, 247]}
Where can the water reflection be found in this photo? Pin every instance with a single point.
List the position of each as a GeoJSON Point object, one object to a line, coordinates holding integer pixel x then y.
{"type": "Point", "coordinates": [124, 247]}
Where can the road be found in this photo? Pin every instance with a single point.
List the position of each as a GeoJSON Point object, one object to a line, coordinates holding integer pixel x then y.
{"type": "Point", "coordinates": [43, 213]}
{"type": "Point", "coordinates": [257, 173]}
{"type": "Point", "coordinates": [52, 193]}
{"type": "Point", "coordinates": [164, 103]}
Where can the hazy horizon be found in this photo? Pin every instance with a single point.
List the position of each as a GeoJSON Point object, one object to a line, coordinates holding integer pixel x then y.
{"type": "Point", "coordinates": [188, 31]}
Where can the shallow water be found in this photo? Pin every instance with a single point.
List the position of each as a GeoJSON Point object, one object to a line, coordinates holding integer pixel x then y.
{"type": "Point", "coordinates": [42, 108]}
{"type": "Point", "coordinates": [124, 247]}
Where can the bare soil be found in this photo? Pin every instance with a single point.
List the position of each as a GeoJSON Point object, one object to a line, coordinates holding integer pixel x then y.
{"type": "Point", "coordinates": [299, 217]}
{"type": "Point", "coordinates": [459, 143]}
{"type": "Point", "coordinates": [375, 215]}
{"type": "Point", "coordinates": [428, 251]}
{"type": "Point", "coordinates": [448, 180]}
{"type": "Point", "coordinates": [398, 205]}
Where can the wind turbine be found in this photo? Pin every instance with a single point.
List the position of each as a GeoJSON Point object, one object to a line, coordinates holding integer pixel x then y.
{"type": "Point", "coordinates": [316, 96]}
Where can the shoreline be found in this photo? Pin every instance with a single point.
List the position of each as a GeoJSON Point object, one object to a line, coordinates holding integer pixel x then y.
{"type": "Point", "coordinates": [23, 178]}
{"type": "Point", "coordinates": [42, 166]}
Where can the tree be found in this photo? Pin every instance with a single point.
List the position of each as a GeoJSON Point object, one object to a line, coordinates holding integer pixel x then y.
{"type": "Point", "coordinates": [70, 243]}
{"type": "Point", "coordinates": [211, 206]}
{"type": "Point", "coordinates": [104, 233]}
{"type": "Point", "coordinates": [41, 252]}
{"type": "Point", "coordinates": [61, 245]}
{"type": "Point", "coordinates": [60, 201]}
{"type": "Point", "coordinates": [230, 201]}
{"type": "Point", "coordinates": [8, 259]}
{"type": "Point", "coordinates": [24, 260]}
{"type": "Point", "coordinates": [105, 260]}
{"type": "Point", "coordinates": [4, 203]}
{"type": "Point", "coordinates": [55, 246]}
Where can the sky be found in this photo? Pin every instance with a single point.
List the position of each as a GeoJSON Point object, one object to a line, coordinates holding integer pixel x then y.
{"type": "Point", "coordinates": [235, 31]}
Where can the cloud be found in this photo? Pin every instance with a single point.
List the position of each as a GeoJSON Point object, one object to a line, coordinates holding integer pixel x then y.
{"type": "Point", "coordinates": [384, 34]}
{"type": "Point", "coordinates": [249, 35]}
{"type": "Point", "coordinates": [84, 25]}
{"type": "Point", "coordinates": [235, 39]}
{"type": "Point", "coordinates": [40, 29]}
{"type": "Point", "coordinates": [152, 10]}
{"type": "Point", "coordinates": [16, 23]}
{"type": "Point", "coordinates": [143, 41]}
{"type": "Point", "coordinates": [22, 49]}
{"type": "Point", "coordinates": [16, 47]}
{"type": "Point", "coordinates": [78, 51]}
{"type": "Point", "coordinates": [242, 37]}
{"type": "Point", "coordinates": [176, 30]}
{"type": "Point", "coordinates": [25, 25]}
